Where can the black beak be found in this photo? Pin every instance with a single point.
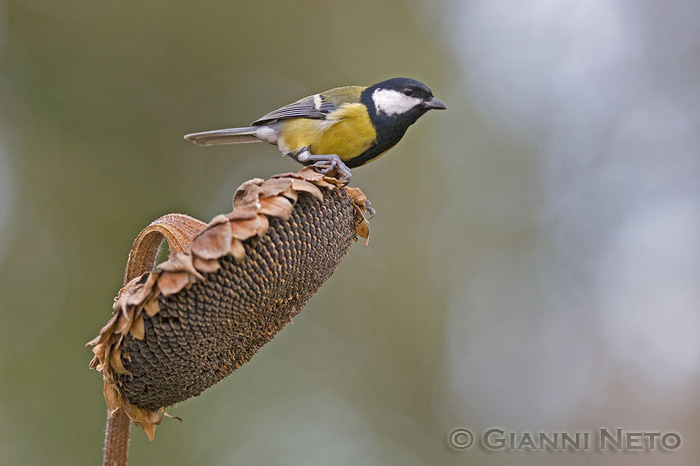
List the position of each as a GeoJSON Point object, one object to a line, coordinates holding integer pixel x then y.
{"type": "Point", "coordinates": [433, 104]}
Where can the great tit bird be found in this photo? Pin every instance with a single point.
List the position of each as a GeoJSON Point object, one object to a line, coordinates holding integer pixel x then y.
{"type": "Point", "coordinates": [339, 129]}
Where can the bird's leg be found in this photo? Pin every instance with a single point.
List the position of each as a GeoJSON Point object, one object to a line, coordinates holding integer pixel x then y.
{"type": "Point", "coordinates": [324, 163]}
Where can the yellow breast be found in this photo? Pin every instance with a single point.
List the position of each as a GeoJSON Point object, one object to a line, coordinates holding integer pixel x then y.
{"type": "Point", "coordinates": [346, 132]}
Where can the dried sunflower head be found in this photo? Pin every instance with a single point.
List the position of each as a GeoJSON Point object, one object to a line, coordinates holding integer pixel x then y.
{"type": "Point", "coordinates": [197, 317]}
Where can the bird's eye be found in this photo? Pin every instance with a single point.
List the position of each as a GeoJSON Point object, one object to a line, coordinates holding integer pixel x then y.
{"type": "Point", "coordinates": [408, 91]}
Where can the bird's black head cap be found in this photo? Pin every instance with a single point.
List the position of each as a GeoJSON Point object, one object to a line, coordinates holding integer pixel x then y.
{"type": "Point", "coordinates": [399, 101]}
{"type": "Point", "coordinates": [394, 105]}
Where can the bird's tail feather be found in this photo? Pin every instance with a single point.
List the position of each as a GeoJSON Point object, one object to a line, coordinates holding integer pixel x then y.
{"type": "Point", "coordinates": [224, 136]}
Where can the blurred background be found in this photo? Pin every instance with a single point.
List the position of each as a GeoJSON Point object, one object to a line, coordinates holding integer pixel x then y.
{"type": "Point", "coordinates": [534, 264]}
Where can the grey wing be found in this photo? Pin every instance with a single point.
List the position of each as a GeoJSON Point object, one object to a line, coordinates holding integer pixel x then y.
{"type": "Point", "coordinates": [313, 106]}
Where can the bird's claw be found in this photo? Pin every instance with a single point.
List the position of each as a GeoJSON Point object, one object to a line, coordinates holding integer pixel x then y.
{"type": "Point", "coordinates": [370, 210]}
{"type": "Point", "coordinates": [325, 167]}
{"type": "Point", "coordinates": [334, 164]}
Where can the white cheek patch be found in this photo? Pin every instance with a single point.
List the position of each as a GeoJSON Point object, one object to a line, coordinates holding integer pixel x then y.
{"type": "Point", "coordinates": [393, 102]}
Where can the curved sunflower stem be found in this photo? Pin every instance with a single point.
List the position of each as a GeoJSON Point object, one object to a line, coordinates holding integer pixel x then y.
{"type": "Point", "coordinates": [178, 230]}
